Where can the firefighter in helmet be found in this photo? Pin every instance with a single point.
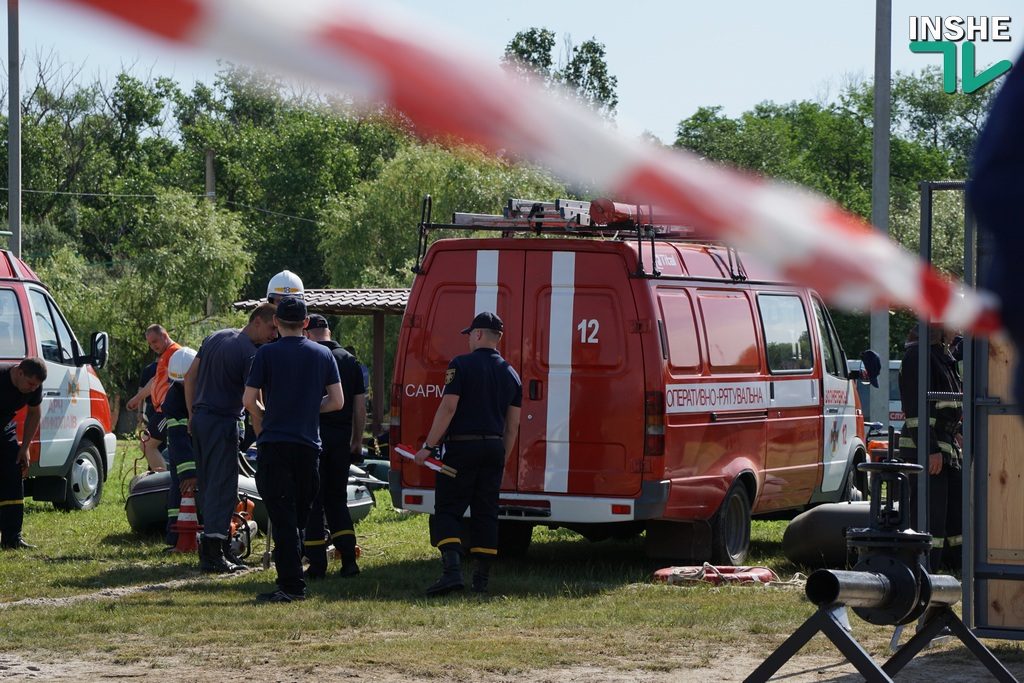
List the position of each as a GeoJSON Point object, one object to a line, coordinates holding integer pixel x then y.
{"type": "Point", "coordinates": [944, 460]}
{"type": "Point", "coordinates": [181, 459]}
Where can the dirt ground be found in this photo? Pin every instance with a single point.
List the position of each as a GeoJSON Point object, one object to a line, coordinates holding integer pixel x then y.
{"type": "Point", "coordinates": [950, 662]}
{"type": "Point", "coordinates": [956, 665]}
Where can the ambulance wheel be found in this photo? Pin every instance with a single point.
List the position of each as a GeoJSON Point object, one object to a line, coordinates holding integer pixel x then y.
{"type": "Point", "coordinates": [730, 529]}
{"type": "Point", "coordinates": [514, 538]}
{"type": "Point", "coordinates": [85, 479]}
{"type": "Point", "coordinates": [856, 488]}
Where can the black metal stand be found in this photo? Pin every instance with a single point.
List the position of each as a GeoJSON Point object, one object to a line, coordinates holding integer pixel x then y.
{"type": "Point", "coordinates": [936, 619]}
{"type": "Point", "coordinates": [831, 621]}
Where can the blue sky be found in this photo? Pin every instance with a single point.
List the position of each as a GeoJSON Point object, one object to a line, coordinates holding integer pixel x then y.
{"type": "Point", "coordinates": [670, 57]}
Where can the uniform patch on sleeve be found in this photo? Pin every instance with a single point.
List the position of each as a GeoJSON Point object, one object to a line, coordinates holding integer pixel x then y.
{"type": "Point", "coordinates": [449, 375]}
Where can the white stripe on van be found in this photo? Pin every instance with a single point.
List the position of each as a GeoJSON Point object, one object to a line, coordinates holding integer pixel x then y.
{"type": "Point", "coordinates": [795, 393]}
{"type": "Point", "coordinates": [486, 282]}
{"type": "Point", "coordinates": [560, 326]}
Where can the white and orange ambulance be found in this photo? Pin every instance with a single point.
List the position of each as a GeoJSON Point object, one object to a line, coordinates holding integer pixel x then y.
{"type": "Point", "coordinates": [74, 450]}
{"type": "Point", "coordinates": [670, 385]}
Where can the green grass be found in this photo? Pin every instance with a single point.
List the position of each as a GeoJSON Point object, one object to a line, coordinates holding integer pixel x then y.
{"type": "Point", "coordinates": [570, 602]}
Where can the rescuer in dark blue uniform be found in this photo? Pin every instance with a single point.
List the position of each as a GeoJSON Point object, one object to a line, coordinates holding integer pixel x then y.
{"type": "Point", "coordinates": [298, 379]}
{"type": "Point", "coordinates": [478, 422]}
{"type": "Point", "coordinates": [20, 385]}
{"type": "Point", "coordinates": [341, 435]}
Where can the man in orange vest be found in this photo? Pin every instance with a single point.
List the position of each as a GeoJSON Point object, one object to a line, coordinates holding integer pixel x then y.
{"type": "Point", "coordinates": [156, 389]}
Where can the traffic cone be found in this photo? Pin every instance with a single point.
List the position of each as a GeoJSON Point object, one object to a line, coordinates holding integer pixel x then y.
{"type": "Point", "coordinates": [187, 526]}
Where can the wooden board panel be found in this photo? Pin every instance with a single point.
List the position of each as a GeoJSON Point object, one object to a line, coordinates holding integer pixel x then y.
{"type": "Point", "coordinates": [1005, 482]}
{"type": "Point", "coordinates": [1005, 487]}
{"type": "Point", "coordinates": [1000, 369]}
{"type": "Point", "coordinates": [1005, 604]}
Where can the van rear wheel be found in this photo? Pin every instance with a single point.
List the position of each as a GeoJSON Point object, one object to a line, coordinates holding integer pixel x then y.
{"type": "Point", "coordinates": [730, 529]}
{"type": "Point", "coordinates": [514, 538]}
{"type": "Point", "coordinates": [85, 479]}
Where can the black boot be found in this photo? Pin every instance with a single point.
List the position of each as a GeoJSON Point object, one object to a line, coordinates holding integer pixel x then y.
{"type": "Point", "coordinates": [481, 574]}
{"type": "Point", "coordinates": [211, 557]}
{"type": "Point", "coordinates": [349, 568]}
{"type": "Point", "coordinates": [230, 557]}
{"type": "Point", "coordinates": [451, 579]}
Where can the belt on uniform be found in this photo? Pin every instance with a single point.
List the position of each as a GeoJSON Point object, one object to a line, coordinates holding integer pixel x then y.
{"type": "Point", "coordinates": [473, 437]}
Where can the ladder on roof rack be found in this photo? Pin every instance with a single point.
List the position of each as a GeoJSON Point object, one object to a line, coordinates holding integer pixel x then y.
{"type": "Point", "coordinates": [599, 218]}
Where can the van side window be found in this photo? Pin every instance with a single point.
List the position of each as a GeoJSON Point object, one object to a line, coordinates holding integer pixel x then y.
{"type": "Point", "coordinates": [12, 328]}
{"type": "Point", "coordinates": [680, 331]}
{"type": "Point", "coordinates": [787, 337]}
{"type": "Point", "coordinates": [68, 345]}
{"type": "Point", "coordinates": [729, 328]}
{"type": "Point", "coordinates": [830, 352]}
{"type": "Point", "coordinates": [46, 330]}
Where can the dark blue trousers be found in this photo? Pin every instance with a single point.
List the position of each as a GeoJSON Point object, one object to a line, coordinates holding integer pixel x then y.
{"type": "Point", "coordinates": [331, 501]}
{"type": "Point", "coordinates": [12, 493]}
{"type": "Point", "coordinates": [480, 466]}
{"type": "Point", "coordinates": [287, 479]}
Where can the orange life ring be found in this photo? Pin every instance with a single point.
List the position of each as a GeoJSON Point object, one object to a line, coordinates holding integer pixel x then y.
{"type": "Point", "coordinates": [709, 573]}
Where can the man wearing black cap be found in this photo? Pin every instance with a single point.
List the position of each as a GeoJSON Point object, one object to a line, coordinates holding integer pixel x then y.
{"type": "Point", "coordinates": [297, 380]}
{"type": "Point", "coordinates": [341, 432]}
{"type": "Point", "coordinates": [478, 421]}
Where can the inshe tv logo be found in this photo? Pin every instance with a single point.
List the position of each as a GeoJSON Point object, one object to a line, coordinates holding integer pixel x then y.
{"type": "Point", "coordinates": [943, 34]}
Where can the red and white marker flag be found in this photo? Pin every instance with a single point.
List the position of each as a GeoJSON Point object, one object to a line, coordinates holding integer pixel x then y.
{"type": "Point", "coordinates": [379, 53]}
{"type": "Point", "coordinates": [432, 463]}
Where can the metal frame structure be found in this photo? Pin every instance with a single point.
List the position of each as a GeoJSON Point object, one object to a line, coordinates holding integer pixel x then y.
{"type": "Point", "coordinates": [978, 407]}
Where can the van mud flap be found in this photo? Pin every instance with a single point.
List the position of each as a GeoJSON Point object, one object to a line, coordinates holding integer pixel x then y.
{"type": "Point", "coordinates": [668, 540]}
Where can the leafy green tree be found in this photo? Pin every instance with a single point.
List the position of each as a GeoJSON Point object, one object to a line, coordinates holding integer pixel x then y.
{"type": "Point", "coordinates": [369, 236]}
{"type": "Point", "coordinates": [189, 253]}
{"type": "Point", "coordinates": [584, 73]}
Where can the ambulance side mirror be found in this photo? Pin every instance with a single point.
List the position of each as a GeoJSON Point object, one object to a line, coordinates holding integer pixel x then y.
{"type": "Point", "coordinates": [99, 348]}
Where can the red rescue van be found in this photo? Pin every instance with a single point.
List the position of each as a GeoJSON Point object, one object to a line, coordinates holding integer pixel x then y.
{"type": "Point", "coordinates": [669, 385]}
{"type": "Point", "coordinates": [74, 450]}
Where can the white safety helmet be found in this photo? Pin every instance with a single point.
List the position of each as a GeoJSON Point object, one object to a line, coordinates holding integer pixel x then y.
{"type": "Point", "coordinates": [285, 283]}
{"type": "Point", "coordinates": [179, 364]}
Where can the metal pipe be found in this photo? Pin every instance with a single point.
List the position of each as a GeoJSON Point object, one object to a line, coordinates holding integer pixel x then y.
{"type": "Point", "coordinates": [946, 590]}
{"type": "Point", "coordinates": [856, 589]}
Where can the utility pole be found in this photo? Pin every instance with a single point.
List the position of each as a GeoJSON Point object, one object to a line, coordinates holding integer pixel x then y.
{"type": "Point", "coordinates": [211, 178]}
{"type": "Point", "coordinates": [211, 196]}
{"type": "Point", "coordinates": [879, 407]}
{"type": "Point", "coordinates": [13, 129]}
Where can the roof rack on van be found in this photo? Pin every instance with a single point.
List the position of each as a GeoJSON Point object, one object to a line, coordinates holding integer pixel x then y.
{"type": "Point", "coordinates": [597, 218]}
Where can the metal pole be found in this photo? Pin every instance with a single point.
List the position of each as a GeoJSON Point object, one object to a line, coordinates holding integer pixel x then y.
{"type": "Point", "coordinates": [923, 370]}
{"type": "Point", "coordinates": [377, 418]}
{"type": "Point", "coordinates": [13, 129]}
{"type": "Point", "coordinates": [969, 464]}
{"type": "Point", "coordinates": [879, 404]}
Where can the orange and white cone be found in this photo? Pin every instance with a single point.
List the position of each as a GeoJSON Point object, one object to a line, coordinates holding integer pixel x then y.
{"type": "Point", "coordinates": [187, 526]}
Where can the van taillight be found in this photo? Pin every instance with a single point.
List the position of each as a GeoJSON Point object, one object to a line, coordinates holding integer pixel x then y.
{"type": "Point", "coordinates": [654, 423]}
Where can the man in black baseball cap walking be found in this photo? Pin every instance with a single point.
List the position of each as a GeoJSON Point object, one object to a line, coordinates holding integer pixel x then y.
{"type": "Point", "coordinates": [478, 423]}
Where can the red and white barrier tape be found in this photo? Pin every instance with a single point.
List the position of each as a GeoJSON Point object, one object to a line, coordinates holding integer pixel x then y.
{"type": "Point", "coordinates": [380, 54]}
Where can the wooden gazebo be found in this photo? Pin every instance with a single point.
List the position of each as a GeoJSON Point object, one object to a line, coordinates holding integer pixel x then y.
{"type": "Point", "coordinates": [375, 302]}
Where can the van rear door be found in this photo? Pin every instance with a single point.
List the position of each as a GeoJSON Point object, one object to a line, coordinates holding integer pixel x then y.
{"type": "Point", "coordinates": [459, 284]}
{"type": "Point", "coordinates": [582, 425]}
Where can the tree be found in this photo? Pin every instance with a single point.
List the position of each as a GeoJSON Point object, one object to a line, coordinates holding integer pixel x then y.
{"type": "Point", "coordinates": [584, 72]}
{"type": "Point", "coordinates": [369, 237]}
{"type": "Point", "coordinates": [189, 252]}
{"type": "Point", "coordinates": [827, 146]}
